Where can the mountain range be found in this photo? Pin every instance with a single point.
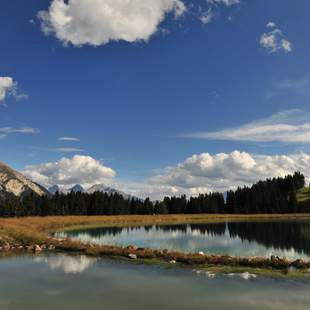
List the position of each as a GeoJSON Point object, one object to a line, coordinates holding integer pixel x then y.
{"type": "Point", "coordinates": [14, 183]}
{"type": "Point", "coordinates": [95, 188]}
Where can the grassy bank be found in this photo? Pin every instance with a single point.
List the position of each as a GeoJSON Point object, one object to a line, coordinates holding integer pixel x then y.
{"type": "Point", "coordinates": [23, 233]}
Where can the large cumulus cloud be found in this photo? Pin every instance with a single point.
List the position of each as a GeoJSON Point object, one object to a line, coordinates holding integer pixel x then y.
{"type": "Point", "coordinates": [97, 22]}
{"type": "Point", "coordinates": [79, 169]}
{"type": "Point", "coordinates": [204, 172]}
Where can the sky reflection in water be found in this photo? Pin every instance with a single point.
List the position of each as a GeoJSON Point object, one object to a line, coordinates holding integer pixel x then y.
{"type": "Point", "coordinates": [76, 282]}
{"type": "Point", "coordinates": [286, 239]}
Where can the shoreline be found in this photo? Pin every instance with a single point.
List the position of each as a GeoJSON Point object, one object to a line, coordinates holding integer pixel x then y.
{"type": "Point", "coordinates": [32, 235]}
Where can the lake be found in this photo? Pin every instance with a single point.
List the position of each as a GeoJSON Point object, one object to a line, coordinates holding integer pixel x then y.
{"type": "Point", "coordinates": [61, 281]}
{"type": "Point", "coordinates": [289, 239]}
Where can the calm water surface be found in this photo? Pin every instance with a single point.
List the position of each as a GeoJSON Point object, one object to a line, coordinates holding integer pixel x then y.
{"type": "Point", "coordinates": [289, 239]}
{"type": "Point", "coordinates": [77, 282]}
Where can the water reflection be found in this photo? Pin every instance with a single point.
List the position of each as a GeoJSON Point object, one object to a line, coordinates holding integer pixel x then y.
{"type": "Point", "coordinates": [289, 238]}
{"type": "Point", "coordinates": [68, 264]}
{"type": "Point", "coordinates": [27, 284]}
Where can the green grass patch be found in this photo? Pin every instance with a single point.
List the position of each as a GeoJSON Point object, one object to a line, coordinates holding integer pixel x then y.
{"type": "Point", "coordinates": [303, 195]}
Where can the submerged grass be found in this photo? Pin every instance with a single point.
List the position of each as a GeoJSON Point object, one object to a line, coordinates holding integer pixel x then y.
{"type": "Point", "coordinates": [25, 232]}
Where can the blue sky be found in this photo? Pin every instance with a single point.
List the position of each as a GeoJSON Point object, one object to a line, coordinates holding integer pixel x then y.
{"type": "Point", "coordinates": [137, 104]}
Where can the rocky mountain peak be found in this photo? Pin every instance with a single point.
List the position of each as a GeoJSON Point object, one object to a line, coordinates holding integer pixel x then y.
{"type": "Point", "coordinates": [13, 182]}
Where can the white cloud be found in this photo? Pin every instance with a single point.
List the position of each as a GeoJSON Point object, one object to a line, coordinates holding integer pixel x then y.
{"type": "Point", "coordinates": [292, 126]}
{"type": "Point", "coordinates": [207, 17]}
{"type": "Point", "coordinates": [5, 131]}
{"type": "Point", "coordinates": [98, 22]}
{"type": "Point", "coordinates": [200, 173]}
{"type": "Point", "coordinates": [204, 172]}
{"type": "Point", "coordinates": [286, 45]}
{"type": "Point", "coordinates": [7, 86]}
{"type": "Point", "coordinates": [68, 139]}
{"type": "Point", "coordinates": [225, 2]}
{"type": "Point", "coordinates": [271, 25]}
{"type": "Point", "coordinates": [210, 14]}
{"type": "Point", "coordinates": [83, 170]}
{"type": "Point", "coordinates": [274, 40]}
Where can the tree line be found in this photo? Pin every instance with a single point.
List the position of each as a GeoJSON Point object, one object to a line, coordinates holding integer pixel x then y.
{"type": "Point", "coordinates": [277, 195]}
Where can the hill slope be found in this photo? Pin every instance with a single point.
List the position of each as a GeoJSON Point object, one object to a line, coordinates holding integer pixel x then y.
{"type": "Point", "coordinates": [303, 198]}
{"type": "Point", "coordinates": [15, 183]}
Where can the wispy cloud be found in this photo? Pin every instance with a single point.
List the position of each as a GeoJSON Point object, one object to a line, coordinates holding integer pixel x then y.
{"type": "Point", "coordinates": [68, 150]}
{"type": "Point", "coordinates": [210, 13]}
{"type": "Point", "coordinates": [301, 85]}
{"type": "Point", "coordinates": [207, 16]}
{"type": "Point", "coordinates": [225, 2]}
{"type": "Point", "coordinates": [291, 126]}
{"type": "Point", "coordinates": [5, 131]}
{"type": "Point", "coordinates": [68, 139]}
{"type": "Point", "coordinates": [274, 40]}
{"type": "Point", "coordinates": [290, 86]}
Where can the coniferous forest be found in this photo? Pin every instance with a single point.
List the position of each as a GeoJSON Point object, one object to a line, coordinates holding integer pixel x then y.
{"type": "Point", "coordinates": [277, 195]}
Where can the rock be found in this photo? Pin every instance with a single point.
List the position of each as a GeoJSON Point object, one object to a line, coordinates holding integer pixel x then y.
{"type": "Point", "coordinates": [248, 276]}
{"type": "Point", "coordinates": [172, 261]}
{"type": "Point", "coordinates": [201, 253]}
{"type": "Point", "coordinates": [131, 247]}
{"type": "Point", "coordinates": [291, 269]}
{"type": "Point", "coordinates": [297, 263]}
{"type": "Point", "coordinates": [132, 256]}
{"type": "Point", "coordinates": [6, 246]}
{"type": "Point", "coordinates": [37, 248]}
{"type": "Point", "coordinates": [51, 247]}
{"type": "Point", "coordinates": [210, 275]}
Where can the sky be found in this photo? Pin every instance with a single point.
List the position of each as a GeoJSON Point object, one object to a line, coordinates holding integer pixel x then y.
{"type": "Point", "coordinates": [155, 97]}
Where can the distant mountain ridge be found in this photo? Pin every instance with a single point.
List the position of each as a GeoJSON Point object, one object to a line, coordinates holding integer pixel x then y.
{"type": "Point", "coordinates": [77, 188]}
{"type": "Point", "coordinates": [56, 188]}
{"type": "Point", "coordinates": [16, 184]}
{"type": "Point", "coordinates": [95, 188]}
{"type": "Point", "coordinates": [106, 189]}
